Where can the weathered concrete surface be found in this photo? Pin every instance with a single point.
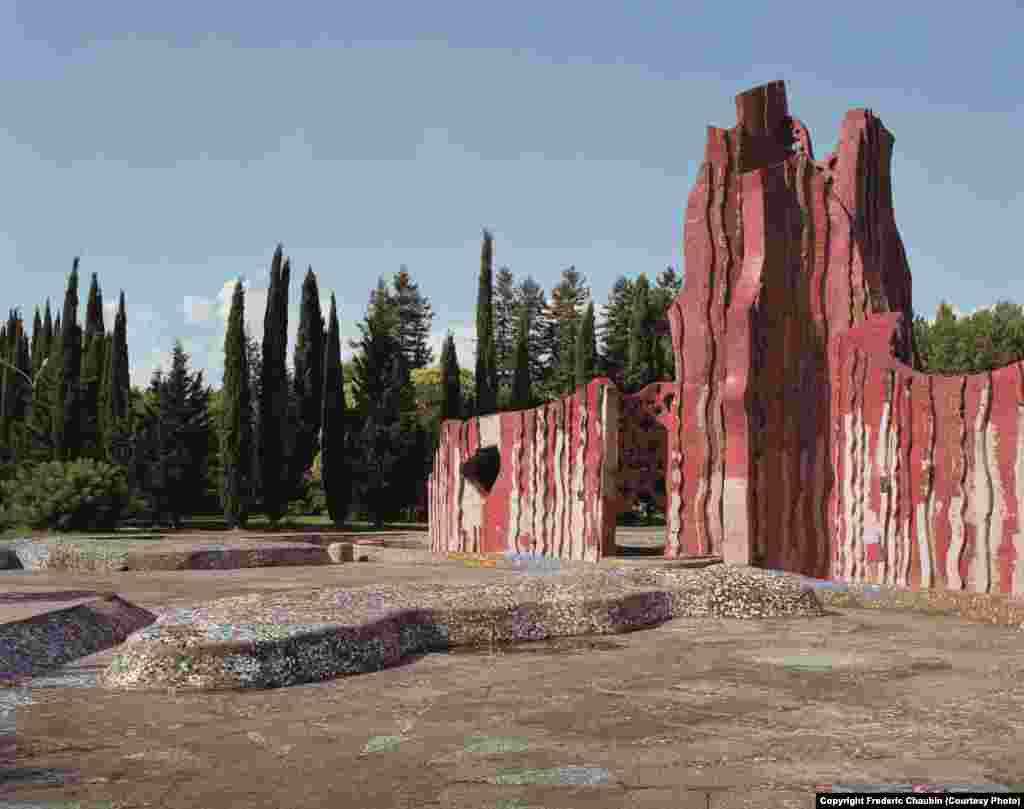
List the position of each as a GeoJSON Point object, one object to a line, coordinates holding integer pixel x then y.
{"type": "Point", "coordinates": [796, 434]}
{"type": "Point", "coordinates": [758, 713]}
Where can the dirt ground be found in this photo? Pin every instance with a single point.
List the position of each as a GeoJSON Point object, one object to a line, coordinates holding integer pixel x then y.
{"type": "Point", "coordinates": [694, 713]}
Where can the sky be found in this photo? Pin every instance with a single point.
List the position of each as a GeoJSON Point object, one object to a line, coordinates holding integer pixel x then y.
{"type": "Point", "coordinates": [173, 145]}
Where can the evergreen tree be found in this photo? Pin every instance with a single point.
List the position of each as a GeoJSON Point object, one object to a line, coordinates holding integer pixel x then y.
{"type": "Point", "coordinates": [308, 379]}
{"type": "Point", "coordinates": [486, 366]}
{"type": "Point", "coordinates": [414, 318]}
{"type": "Point", "coordinates": [335, 468]}
{"type": "Point", "coordinates": [8, 374]}
{"type": "Point", "coordinates": [641, 369]}
{"type": "Point", "coordinates": [560, 321]}
{"type": "Point", "coordinates": [384, 394]}
{"type": "Point", "coordinates": [618, 314]}
{"type": "Point", "coordinates": [566, 374]}
{"type": "Point", "coordinates": [254, 358]}
{"type": "Point", "coordinates": [92, 373]}
{"type": "Point", "coordinates": [116, 391]}
{"type": "Point", "coordinates": [273, 403]}
{"type": "Point", "coordinates": [17, 387]}
{"type": "Point", "coordinates": [505, 309]}
{"type": "Point", "coordinates": [178, 428]}
{"type": "Point", "coordinates": [235, 427]}
{"type": "Point", "coordinates": [47, 336]}
{"type": "Point", "coordinates": [586, 349]}
{"type": "Point", "coordinates": [22, 394]}
{"type": "Point", "coordinates": [66, 403]}
{"type": "Point", "coordinates": [451, 387]}
{"type": "Point", "coordinates": [669, 286]}
{"type": "Point", "coordinates": [37, 350]}
{"type": "Point", "coordinates": [522, 396]}
{"type": "Point", "coordinates": [530, 295]}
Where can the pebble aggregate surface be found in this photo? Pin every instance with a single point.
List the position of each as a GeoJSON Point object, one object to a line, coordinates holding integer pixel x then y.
{"type": "Point", "coordinates": [277, 639]}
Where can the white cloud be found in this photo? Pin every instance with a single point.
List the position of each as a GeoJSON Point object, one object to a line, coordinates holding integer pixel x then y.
{"type": "Point", "coordinates": [109, 314]}
{"type": "Point", "coordinates": [198, 310]}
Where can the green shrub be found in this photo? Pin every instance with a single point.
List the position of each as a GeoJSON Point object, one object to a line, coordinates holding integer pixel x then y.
{"type": "Point", "coordinates": [83, 495]}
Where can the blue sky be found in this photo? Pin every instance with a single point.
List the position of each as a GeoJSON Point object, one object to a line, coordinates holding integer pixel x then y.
{"type": "Point", "coordinates": [173, 145]}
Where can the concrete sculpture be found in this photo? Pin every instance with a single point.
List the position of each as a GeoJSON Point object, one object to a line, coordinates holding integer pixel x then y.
{"type": "Point", "coordinates": [797, 434]}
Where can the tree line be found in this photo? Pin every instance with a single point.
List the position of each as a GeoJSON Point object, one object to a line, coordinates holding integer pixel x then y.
{"type": "Point", "coordinates": [354, 438]}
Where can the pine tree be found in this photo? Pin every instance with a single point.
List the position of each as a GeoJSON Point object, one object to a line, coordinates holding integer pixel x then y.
{"type": "Point", "coordinates": [530, 295]}
{"type": "Point", "coordinates": [335, 468]}
{"type": "Point", "coordinates": [641, 370]}
{"type": "Point", "coordinates": [560, 321]}
{"type": "Point", "coordinates": [505, 310]}
{"type": "Point", "coordinates": [309, 378]}
{"type": "Point", "coordinates": [384, 395]}
{"type": "Point", "coordinates": [618, 315]}
{"type": "Point", "coordinates": [586, 351]}
{"type": "Point", "coordinates": [669, 285]}
{"type": "Point", "coordinates": [486, 366]}
{"type": "Point", "coordinates": [66, 413]}
{"type": "Point", "coordinates": [522, 396]}
{"type": "Point", "coordinates": [92, 373]}
{"type": "Point", "coordinates": [235, 427]}
{"type": "Point", "coordinates": [178, 427]}
{"type": "Point", "coordinates": [451, 385]}
{"type": "Point", "coordinates": [273, 403]}
{"type": "Point", "coordinates": [414, 318]}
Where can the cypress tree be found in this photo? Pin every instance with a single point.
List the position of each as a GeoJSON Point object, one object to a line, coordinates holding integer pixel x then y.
{"type": "Point", "coordinates": [309, 377]}
{"type": "Point", "coordinates": [47, 332]}
{"type": "Point", "coordinates": [235, 437]}
{"type": "Point", "coordinates": [103, 400]}
{"type": "Point", "coordinates": [334, 463]}
{"type": "Point", "coordinates": [486, 366]}
{"type": "Point", "coordinates": [116, 390]}
{"type": "Point", "coordinates": [92, 372]}
{"type": "Point", "coordinates": [254, 359]}
{"type": "Point", "coordinates": [586, 353]}
{"type": "Point", "coordinates": [451, 383]}
{"type": "Point", "coordinates": [66, 399]}
{"type": "Point", "coordinates": [522, 397]}
{"type": "Point", "coordinates": [36, 352]}
{"type": "Point", "coordinates": [40, 419]}
{"type": "Point", "coordinates": [8, 339]}
{"type": "Point", "coordinates": [273, 402]}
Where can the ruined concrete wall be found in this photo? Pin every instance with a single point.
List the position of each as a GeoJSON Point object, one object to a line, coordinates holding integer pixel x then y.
{"type": "Point", "coordinates": [555, 491]}
{"type": "Point", "coordinates": [783, 254]}
{"type": "Point", "coordinates": [796, 434]}
{"type": "Point", "coordinates": [929, 471]}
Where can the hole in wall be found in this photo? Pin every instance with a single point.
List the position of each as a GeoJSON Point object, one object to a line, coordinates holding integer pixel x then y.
{"type": "Point", "coordinates": [482, 469]}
